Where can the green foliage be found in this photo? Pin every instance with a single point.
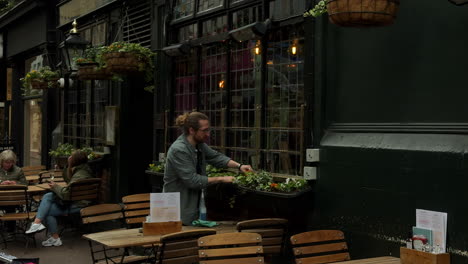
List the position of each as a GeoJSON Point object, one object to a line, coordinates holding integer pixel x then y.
{"type": "Point", "coordinates": [45, 74]}
{"type": "Point", "coordinates": [91, 55]}
{"type": "Point", "coordinates": [159, 167]}
{"type": "Point", "coordinates": [65, 149]}
{"type": "Point", "coordinates": [319, 9]}
{"type": "Point", "coordinates": [263, 181]}
{"type": "Point", "coordinates": [6, 5]}
{"type": "Point", "coordinates": [145, 56]}
{"type": "Point", "coordinates": [218, 172]}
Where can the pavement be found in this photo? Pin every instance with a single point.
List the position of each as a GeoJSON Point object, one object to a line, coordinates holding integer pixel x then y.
{"type": "Point", "coordinates": [74, 250]}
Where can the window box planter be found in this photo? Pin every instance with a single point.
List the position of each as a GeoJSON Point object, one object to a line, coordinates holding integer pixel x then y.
{"type": "Point", "coordinates": [123, 62]}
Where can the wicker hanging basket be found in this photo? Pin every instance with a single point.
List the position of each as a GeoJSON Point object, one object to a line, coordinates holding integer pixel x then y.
{"type": "Point", "coordinates": [44, 84]}
{"type": "Point", "coordinates": [122, 62]}
{"type": "Point", "coordinates": [91, 71]}
{"type": "Point", "coordinates": [362, 13]}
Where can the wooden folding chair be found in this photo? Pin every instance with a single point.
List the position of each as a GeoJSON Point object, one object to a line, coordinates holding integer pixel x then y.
{"type": "Point", "coordinates": [181, 247]}
{"type": "Point", "coordinates": [321, 246]}
{"type": "Point", "coordinates": [16, 196]}
{"type": "Point", "coordinates": [273, 232]}
{"type": "Point", "coordinates": [136, 208]}
{"type": "Point", "coordinates": [245, 248]}
{"type": "Point", "coordinates": [109, 215]}
{"type": "Point", "coordinates": [85, 189]}
{"type": "Point", "coordinates": [34, 169]}
{"type": "Point", "coordinates": [51, 175]}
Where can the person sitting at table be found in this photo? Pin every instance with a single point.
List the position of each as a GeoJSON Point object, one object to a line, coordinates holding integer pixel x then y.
{"type": "Point", "coordinates": [9, 172]}
{"type": "Point", "coordinates": [51, 204]}
{"type": "Point", "coordinates": [185, 170]}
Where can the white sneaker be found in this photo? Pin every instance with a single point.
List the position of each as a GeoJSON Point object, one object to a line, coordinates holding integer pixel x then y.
{"type": "Point", "coordinates": [52, 242]}
{"type": "Point", "coordinates": [35, 228]}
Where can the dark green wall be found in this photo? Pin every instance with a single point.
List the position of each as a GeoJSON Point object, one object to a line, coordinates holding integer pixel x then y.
{"type": "Point", "coordinates": [380, 84]}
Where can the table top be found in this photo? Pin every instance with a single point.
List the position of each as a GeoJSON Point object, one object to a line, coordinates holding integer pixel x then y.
{"type": "Point", "coordinates": [39, 188]}
{"type": "Point", "coordinates": [121, 238]}
{"type": "Point", "coordinates": [378, 260]}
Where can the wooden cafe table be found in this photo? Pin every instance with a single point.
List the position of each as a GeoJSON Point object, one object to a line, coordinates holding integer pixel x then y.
{"type": "Point", "coordinates": [378, 260]}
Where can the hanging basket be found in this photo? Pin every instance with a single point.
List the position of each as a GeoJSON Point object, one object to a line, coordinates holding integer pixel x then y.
{"type": "Point", "coordinates": [91, 71]}
{"type": "Point", "coordinates": [362, 13]}
{"type": "Point", "coordinates": [123, 62]}
{"type": "Point", "coordinates": [44, 84]}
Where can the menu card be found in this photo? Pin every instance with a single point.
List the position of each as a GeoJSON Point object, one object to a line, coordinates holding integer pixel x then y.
{"type": "Point", "coordinates": [164, 207]}
{"type": "Point", "coordinates": [435, 221]}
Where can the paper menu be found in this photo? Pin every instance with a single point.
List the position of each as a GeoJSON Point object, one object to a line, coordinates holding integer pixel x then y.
{"type": "Point", "coordinates": [437, 222]}
{"type": "Point", "coordinates": [164, 207]}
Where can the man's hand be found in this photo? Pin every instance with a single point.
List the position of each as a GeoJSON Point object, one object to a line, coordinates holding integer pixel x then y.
{"type": "Point", "coordinates": [227, 179]}
{"type": "Point", "coordinates": [245, 168]}
{"type": "Point", "coordinates": [52, 184]}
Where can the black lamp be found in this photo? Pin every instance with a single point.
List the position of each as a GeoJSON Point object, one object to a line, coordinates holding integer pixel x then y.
{"type": "Point", "coordinates": [177, 49]}
{"type": "Point", "coordinates": [251, 31]}
{"type": "Point", "coordinates": [73, 47]}
{"type": "Point", "coordinates": [459, 2]}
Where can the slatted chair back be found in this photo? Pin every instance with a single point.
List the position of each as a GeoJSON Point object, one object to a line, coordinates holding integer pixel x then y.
{"type": "Point", "coordinates": [136, 208]}
{"type": "Point", "coordinates": [272, 230]}
{"type": "Point", "coordinates": [321, 246]}
{"type": "Point", "coordinates": [16, 196]}
{"type": "Point", "coordinates": [86, 189]}
{"type": "Point", "coordinates": [245, 248]}
{"type": "Point", "coordinates": [37, 168]}
{"type": "Point", "coordinates": [181, 247]}
{"type": "Point", "coordinates": [111, 216]}
{"type": "Point", "coordinates": [51, 175]}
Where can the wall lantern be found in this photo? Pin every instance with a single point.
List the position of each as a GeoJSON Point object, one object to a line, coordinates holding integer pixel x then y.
{"type": "Point", "coordinates": [459, 2]}
{"type": "Point", "coordinates": [252, 31]}
{"type": "Point", "coordinates": [177, 49]}
{"type": "Point", "coordinates": [72, 48]}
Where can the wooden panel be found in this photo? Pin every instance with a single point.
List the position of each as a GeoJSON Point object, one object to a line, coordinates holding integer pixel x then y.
{"type": "Point", "coordinates": [180, 245]}
{"type": "Point", "coordinates": [317, 236]}
{"type": "Point", "coordinates": [272, 241]}
{"type": "Point", "coordinates": [229, 239]}
{"type": "Point", "coordinates": [136, 206]}
{"type": "Point", "coordinates": [100, 209]}
{"type": "Point", "coordinates": [323, 259]}
{"type": "Point", "coordinates": [182, 260]}
{"type": "Point", "coordinates": [137, 213]}
{"type": "Point", "coordinates": [193, 251]}
{"type": "Point", "coordinates": [100, 218]}
{"type": "Point", "coordinates": [320, 248]}
{"type": "Point", "coordinates": [136, 198]}
{"type": "Point", "coordinates": [254, 260]}
{"type": "Point", "coordinates": [276, 249]}
{"type": "Point", "coordinates": [261, 223]}
{"type": "Point", "coordinates": [136, 220]}
{"type": "Point", "coordinates": [411, 256]}
{"type": "Point", "coordinates": [230, 252]}
{"type": "Point", "coordinates": [266, 232]}
{"type": "Point", "coordinates": [161, 228]}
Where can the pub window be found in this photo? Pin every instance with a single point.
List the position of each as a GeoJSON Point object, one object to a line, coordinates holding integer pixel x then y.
{"type": "Point", "coordinates": [206, 5]}
{"type": "Point", "coordinates": [183, 8]}
{"type": "Point", "coordinates": [187, 33]}
{"type": "Point", "coordinates": [246, 16]}
{"type": "Point", "coordinates": [214, 26]}
{"type": "Point", "coordinates": [283, 9]}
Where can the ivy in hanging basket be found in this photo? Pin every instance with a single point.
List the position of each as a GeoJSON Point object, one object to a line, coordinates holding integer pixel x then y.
{"type": "Point", "coordinates": [124, 58]}
{"type": "Point", "coordinates": [88, 66]}
{"type": "Point", "coordinates": [41, 79]}
{"type": "Point", "coordinates": [357, 13]}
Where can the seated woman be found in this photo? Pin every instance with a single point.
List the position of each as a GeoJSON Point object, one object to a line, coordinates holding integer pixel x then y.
{"type": "Point", "coordinates": [51, 206]}
{"type": "Point", "coordinates": [9, 172]}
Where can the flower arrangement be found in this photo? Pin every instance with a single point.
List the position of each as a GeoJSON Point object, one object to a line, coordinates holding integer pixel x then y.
{"type": "Point", "coordinates": [43, 78]}
{"type": "Point", "coordinates": [263, 181]}
{"type": "Point", "coordinates": [319, 9]}
{"type": "Point", "coordinates": [157, 167]}
{"type": "Point", "coordinates": [91, 55]}
{"type": "Point", "coordinates": [64, 149]}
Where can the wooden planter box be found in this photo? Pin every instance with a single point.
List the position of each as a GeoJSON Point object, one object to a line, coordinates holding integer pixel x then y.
{"type": "Point", "coordinates": [362, 13]}
{"type": "Point", "coordinates": [123, 62]}
{"type": "Point", "coordinates": [412, 256]}
{"type": "Point", "coordinates": [91, 71]}
{"type": "Point", "coordinates": [156, 180]}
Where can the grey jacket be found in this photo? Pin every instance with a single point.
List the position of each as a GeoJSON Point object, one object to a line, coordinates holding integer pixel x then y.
{"type": "Point", "coordinates": [180, 174]}
{"type": "Point", "coordinates": [14, 174]}
{"type": "Point", "coordinates": [79, 172]}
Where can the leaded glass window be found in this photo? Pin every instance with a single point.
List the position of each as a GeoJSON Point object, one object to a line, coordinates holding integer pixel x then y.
{"type": "Point", "coordinates": [284, 112]}
{"type": "Point", "coordinates": [205, 5]}
{"type": "Point", "coordinates": [187, 33]}
{"type": "Point", "coordinates": [282, 9]}
{"type": "Point", "coordinates": [246, 16]}
{"type": "Point", "coordinates": [183, 8]}
{"type": "Point", "coordinates": [214, 26]}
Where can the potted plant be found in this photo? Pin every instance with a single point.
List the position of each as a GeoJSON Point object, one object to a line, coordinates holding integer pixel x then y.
{"type": "Point", "coordinates": [155, 173]}
{"type": "Point", "coordinates": [128, 58]}
{"type": "Point", "coordinates": [88, 66]}
{"type": "Point", "coordinates": [357, 13]}
{"type": "Point", "coordinates": [61, 154]}
{"type": "Point", "coordinates": [41, 79]}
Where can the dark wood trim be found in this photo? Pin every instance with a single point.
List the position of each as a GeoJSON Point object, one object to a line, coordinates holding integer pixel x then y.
{"type": "Point", "coordinates": [438, 128]}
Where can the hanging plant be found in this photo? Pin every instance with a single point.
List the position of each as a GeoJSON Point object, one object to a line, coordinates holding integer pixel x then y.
{"type": "Point", "coordinates": [41, 79]}
{"type": "Point", "coordinates": [88, 66]}
{"type": "Point", "coordinates": [124, 58]}
{"type": "Point", "coordinates": [357, 13]}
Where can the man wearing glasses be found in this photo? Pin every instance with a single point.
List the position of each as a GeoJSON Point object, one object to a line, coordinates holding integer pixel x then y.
{"type": "Point", "coordinates": [185, 169]}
